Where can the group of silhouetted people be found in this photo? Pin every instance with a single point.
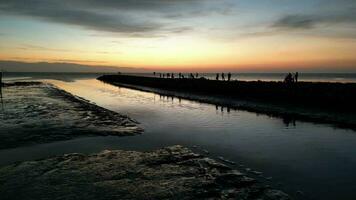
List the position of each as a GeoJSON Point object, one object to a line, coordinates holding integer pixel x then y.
{"type": "Point", "coordinates": [290, 78]}
{"type": "Point", "coordinates": [172, 75]}
{"type": "Point", "coordinates": [223, 76]}
{"type": "Point", "coordinates": [222, 108]}
{"type": "Point", "coordinates": [192, 76]}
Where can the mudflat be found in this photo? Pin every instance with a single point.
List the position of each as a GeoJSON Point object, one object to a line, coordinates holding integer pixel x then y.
{"type": "Point", "coordinates": [35, 112]}
{"type": "Point", "coordinates": [170, 173]}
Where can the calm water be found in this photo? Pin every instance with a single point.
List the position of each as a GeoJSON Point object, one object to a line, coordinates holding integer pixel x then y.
{"type": "Point", "coordinates": [318, 160]}
{"type": "Point", "coordinates": [314, 77]}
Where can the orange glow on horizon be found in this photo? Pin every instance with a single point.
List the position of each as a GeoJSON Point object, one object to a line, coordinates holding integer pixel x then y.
{"type": "Point", "coordinates": [191, 54]}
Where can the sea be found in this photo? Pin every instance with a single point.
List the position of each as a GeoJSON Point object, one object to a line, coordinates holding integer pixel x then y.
{"type": "Point", "coordinates": [310, 77]}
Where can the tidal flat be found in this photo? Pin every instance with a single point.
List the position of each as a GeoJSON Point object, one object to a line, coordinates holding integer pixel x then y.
{"type": "Point", "coordinates": [170, 173]}
{"type": "Point", "coordinates": [35, 112]}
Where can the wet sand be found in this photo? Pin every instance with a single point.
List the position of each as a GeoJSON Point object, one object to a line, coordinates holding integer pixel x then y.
{"type": "Point", "coordinates": [169, 173]}
{"type": "Point", "coordinates": [38, 113]}
{"type": "Point", "coordinates": [331, 103]}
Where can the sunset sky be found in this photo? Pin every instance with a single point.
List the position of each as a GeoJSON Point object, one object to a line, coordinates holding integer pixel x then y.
{"type": "Point", "coordinates": [237, 35]}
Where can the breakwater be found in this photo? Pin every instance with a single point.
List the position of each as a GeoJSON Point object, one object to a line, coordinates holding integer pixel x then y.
{"type": "Point", "coordinates": [322, 102]}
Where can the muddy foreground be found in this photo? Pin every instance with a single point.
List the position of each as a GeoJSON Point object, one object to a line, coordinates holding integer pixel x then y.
{"type": "Point", "coordinates": [36, 113]}
{"type": "Point", "coordinates": [170, 173]}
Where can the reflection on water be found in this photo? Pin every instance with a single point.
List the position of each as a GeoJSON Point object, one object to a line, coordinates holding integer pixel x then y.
{"type": "Point", "coordinates": [1, 97]}
{"type": "Point", "coordinates": [300, 156]}
{"type": "Point", "coordinates": [318, 160]}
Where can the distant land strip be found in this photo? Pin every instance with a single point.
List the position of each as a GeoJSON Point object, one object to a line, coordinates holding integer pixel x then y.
{"type": "Point", "coordinates": [17, 66]}
{"type": "Point", "coordinates": [332, 103]}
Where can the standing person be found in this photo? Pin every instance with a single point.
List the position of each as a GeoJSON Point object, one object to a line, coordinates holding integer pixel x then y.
{"type": "Point", "coordinates": [217, 76]}
{"type": "Point", "coordinates": [229, 76]}
{"type": "Point", "coordinates": [296, 77]}
{"type": "Point", "coordinates": [1, 83]}
{"type": "Point", "coordinates": [223, 76]}
{"type": "Point", "coordinates": [289, 78]}
{"type": "Point", "coordinates": [191, 75]}
{"type": "Point", "coordinates": [2, 104]}
{"type": "Point", "coordinates": [196, 75]}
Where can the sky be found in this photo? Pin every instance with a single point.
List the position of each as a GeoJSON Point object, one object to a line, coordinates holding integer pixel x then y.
{"type": "Point", "coordinates": [183, 35]}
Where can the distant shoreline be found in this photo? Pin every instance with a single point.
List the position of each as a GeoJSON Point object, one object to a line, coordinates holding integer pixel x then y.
{"type": "Point", "coordinates": [330, 103]}
{"type": "Point", "coordinates": [240, 76]}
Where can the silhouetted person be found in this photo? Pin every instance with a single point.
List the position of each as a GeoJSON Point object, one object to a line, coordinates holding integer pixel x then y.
{"type": "Point", "coordinates": [168, 75]}
{"type": "Point", "coordinates": [287, 121]}
{"type": "Point", "coordinates": [196, 75]}
{"type": "Point", "coordinates": [180, 75]}
{"type": "Point", "coordinates": [223, 76]}
{"type": "Point", "coordinates": [289, 78]}
{"type": "Point", "coordinates": [217, 76]}
{"type": "Point", "coordinates": [191, 75]}
{"type": "Point", "coordinates": [164, 75]}
{"type": "Point", "coordinates": [296, 77]}
{"type": "Point", "coordinates": [229, 76]}
{"type": "Point", "coordinates": [160, 75]}
{"type": "Point", "coordinates": [2, 103]}
{"type": "Point", "coordinates": [172, 76]}
{"type": "Point", "coordinates": [154, 73]}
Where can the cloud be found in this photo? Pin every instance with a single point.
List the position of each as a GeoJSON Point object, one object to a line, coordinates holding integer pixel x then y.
{"type": "Point", "coordinates": [30, 47]}
{"type": "Point", "coordinates": [312, 21]}
{"type": "Point", "coordinates": [40, 48]}
{"type": "Point", "coordinates": [331, 12]}
{"type": "Point", "coordinates": [61, 12]}
{"type": "Point", "coordinates": [295, 22]}
{"type": "Point", "coordinates": [158, 5]}
{"type": "Point", "coordinates": [332, 21]}
{"type": "Point", "coordinates": [137, 17]}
